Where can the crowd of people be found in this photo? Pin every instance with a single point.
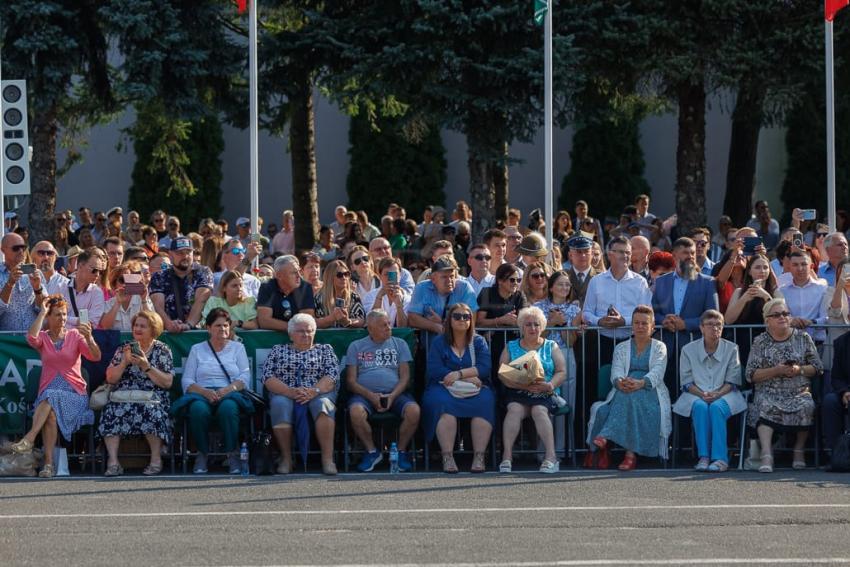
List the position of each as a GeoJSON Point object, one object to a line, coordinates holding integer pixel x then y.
{"type": "Point", "coordinates": [633, 301]}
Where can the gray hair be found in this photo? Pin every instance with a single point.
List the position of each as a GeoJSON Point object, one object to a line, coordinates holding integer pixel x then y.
{"type": "Point", "coordinates": [281, 261]}
{"type": "Point", "coordinates": [302, 318]}
{"type": "Point", "coordinates": [829, 237]}
{"type": "Point", "coordinates": [530, 313]}
{"type": "Point", "coordinates": [376, 314]}
{"type": "Point", "coordinates": [710, 314]}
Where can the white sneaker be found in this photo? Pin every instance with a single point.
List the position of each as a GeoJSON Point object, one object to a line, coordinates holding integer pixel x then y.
{"type": "Point", "coordinates": [200, 464]}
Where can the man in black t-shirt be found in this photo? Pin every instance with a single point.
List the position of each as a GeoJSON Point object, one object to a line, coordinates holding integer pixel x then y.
{"type": "Point", "coordinates": [284, 296]}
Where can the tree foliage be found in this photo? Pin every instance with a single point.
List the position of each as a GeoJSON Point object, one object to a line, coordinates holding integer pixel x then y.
{"type": "Point", "coordinates": [385, 164]}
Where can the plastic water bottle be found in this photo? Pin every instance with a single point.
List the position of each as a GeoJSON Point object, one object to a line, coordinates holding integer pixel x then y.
{"type": "Point", "coordinates": [243, 458]}
{"type": "Point", "coordinates": [393, 458]}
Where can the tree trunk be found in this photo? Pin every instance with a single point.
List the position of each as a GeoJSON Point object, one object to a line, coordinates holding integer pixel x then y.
{"type": "Point", "coordinates": [302, 141]}
{"type": "Point", "coordinates": [43, 130]}
{"type": "Point", "coordinates": [502, 186]}
{"type": "Point", "coordinates": [690, 157]}
{"type": "Point", "coordinates": [482, 161]}
{"type": "Point", "coordinates": [743, 153]}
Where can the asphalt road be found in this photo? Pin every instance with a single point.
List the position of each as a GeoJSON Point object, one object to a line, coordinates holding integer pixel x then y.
{"type": "Point", "coordinates": [574, 518]}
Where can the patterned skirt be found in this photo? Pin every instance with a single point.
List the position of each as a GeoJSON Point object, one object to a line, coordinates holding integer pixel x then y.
{"type": "Point", "coordinates": [71, 409]}
{"type": "Point", "coordinates": [131, 419]}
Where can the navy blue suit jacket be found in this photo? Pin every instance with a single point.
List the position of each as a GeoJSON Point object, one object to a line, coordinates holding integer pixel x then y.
{"type": "Point", "coordinates": [700, 296]}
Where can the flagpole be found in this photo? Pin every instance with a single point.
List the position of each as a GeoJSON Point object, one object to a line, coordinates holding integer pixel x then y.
{"type": "Point", "coordinates": [830, 128]}
{"type": "Point", "coordinates": [252, 65]}
{"type": "Point", "coordinates": [548, 213]}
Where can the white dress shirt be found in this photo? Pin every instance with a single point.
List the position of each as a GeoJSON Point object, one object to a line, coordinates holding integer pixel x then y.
{"type": "Point", "coordinates": [624, 294]}
{"type": "Point", "coordinates": [807, 302]}
{"type": "Point", "coordinates": [488, 281]}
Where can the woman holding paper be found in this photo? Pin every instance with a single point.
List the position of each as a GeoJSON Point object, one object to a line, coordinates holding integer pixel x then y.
{"type": "Point", "coordinates": [636, 413]}
{"type": "Point", "coordinates": [536, 397]}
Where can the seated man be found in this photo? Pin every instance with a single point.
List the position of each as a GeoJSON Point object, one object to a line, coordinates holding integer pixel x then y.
{"type": "Point", "coordinates": [836, 402]}
{"type": "Point", "coordinates": [180, 292]}
{"type": "Point", "coordinates": [432, 298]}
{"type": "Point", "coordinates": [378, 377]}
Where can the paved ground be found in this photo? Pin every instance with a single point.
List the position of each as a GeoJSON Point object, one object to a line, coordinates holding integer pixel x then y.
{"type": "Point", "coordinates": [574, 518]}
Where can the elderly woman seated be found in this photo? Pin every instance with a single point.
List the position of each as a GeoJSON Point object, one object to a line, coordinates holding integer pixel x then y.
{"type": "Point", "coordinates": [781, 366]}
{"type": "Point", "coordinates": [709, 375]}
{"type": "Point", "coordinates": [636, 413]}
{"type": "Point", "coordinates": [143, 365]}
{"type": "Point", "coordinates": [536, 400]}
{"type": "Point", "coordinates": [302, 377]}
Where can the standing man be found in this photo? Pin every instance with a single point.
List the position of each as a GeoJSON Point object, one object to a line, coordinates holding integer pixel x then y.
{"type": "Point", "coordinates": [764, 225]}
{"type": "Point", "coordinates": [114, 252]}
{"type": "Point", "coordinates": [580, 272]}
{"type": "Point", "coordinates": [179, 293]}
{"type": "Point", "coordinates": [836, 250]}
{"type": "Point", "coordinates": [82, 292]}
{"type": "Point", "coordinates": [512, 253]}
{"type": "Point", "coordinates": [173, 232]}
{"type": "Point", "coordinates": [338, 225]}
{"type": "Point", "coordinates": [44, 256]}
{"type": "Point", "coordinates": [379, 248]}
{"type": "Point", "coordinates": [21, 295]}
{"type": "Point", "coordinates": [804, 297]}
{"type": "Point", "coordinates": [280, 298]}
{"type": "Point", "coordinates": [640, 256]}
{"type": "Point", "coordinates": [479, 268]}
{"type": "Point", "coordinates": [496, 242]}
{"type": "Point", "coordinates": [702, 241]}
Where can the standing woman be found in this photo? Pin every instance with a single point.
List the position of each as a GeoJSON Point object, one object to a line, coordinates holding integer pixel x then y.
{"type": "Point", "coordinates": [150, 371]}
{"type": "Point", "coordinates": [336, 304]}
{"type": "Point", "coordinates": [597, 258]}
{"type": "Point", "coordinates": [122, 307]}
{"type": "Point", "coordinates": [536, 400]}
{"type": "Point", "coordinates": [636, 413]}
{"type": "Point", "coordinates": [729, 273]}
{"type": "Point", "coordinates": [745, 306]}
{"type": "Point", "coordinates": [499, 304]}
{"type": "Point", "coordinates": [62, 404]}
{"type": "Point", "coordinates": [459, 355]}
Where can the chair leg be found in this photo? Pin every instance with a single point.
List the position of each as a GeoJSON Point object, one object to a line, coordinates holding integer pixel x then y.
{"type": "Point", "coordinates": [742, 441]}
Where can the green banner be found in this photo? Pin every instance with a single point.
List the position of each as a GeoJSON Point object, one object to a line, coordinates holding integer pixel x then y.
{"type": "Point", "coordinates": [18, 360]}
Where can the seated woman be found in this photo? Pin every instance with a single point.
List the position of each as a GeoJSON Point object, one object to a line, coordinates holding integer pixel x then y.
{"type": "Point", "coordinates": [62, 404]}
{"type": "Point", "coordinates": [537, 400]}
{"type": "Point", "coordinates": [215, 372]}
{"type": "Point", "coordinates": [636, 413]}
{"type": "Point", "coordinates": [781, 366]}
{"type": "Point", "coordinates": [336, 304]}
{"type": "Point", "coordinates": [709, 375]}
{"type": "Point", "coordinates": [300, 377]}
{"type": "Point", "coordinates": [231, 297]}
{"type": "Point", "coordinates": [459, 354]}
{"type": "Point", "coordinates": [125, 302]}
{"type": "Point", "coordinates": [149, 369]}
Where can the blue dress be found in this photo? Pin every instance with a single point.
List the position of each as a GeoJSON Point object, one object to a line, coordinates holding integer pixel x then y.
{"type": "Point", "coordinates": [71, 408]}
{"type": "Point", "coordinates": [437, 400]}
{"type": "Point", "coordinates": [632, 421]}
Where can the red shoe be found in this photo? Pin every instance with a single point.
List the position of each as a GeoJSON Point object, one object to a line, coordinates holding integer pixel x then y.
{"type": "Point", "coordinates": [629, 463]}
{"type": "Point", "coordinates": [602, 462]}
{"type": "Point", "coordinates": [600, 442]}
{"type": "Point", "coordinates": [588, 460]}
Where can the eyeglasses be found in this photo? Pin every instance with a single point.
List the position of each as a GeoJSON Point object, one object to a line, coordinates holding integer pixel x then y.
{"type": "Point", "coordinates": [512, 280]}
{"type": "Point", "coordinates": [462, 316]}
{"type": "Point", "coordinates": [19, 247]}
{"type": "Point", "coordinates": [482, 257]}
{"type": "Point", "coordinates": [701, 243]}
{"type": "Point", "coordinates": [96, 270]}
{"type": "Point", "coordinates": [343, 275]}
{"type": "Point", "coordinates": [45, 252]}
{"type": "Point", "coordinates": [823, 234]}
{"type": "Point", "coordinates": [360, 260]}
{"type": "Point", "coordinates": [537, 276]}
{"type": "Point", "coordinates": [515, 237]}
{"type": "Point", "coordinates": [780, 314]}
{"type": "Point", "coordinates": [716, 325]}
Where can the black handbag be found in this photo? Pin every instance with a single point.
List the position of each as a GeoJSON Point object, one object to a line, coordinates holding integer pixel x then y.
{"type": "Point", "coordinates": [841, 451]}
{"type": "Point", "coordinates": [262, 456]}
{"type": "Point", "coordinates": [256, 399]}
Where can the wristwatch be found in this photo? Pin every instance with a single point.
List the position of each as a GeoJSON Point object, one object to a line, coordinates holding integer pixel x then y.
{"type": "Point", "coordinates": [318, 391]}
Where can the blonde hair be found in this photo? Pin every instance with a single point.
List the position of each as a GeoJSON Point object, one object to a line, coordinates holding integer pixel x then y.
{"type": "Point", "coordinates": [153, 320]}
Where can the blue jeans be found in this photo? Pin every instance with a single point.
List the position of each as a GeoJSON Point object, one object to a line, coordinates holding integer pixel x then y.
{"type": "Point", "coordinates": [710, 429]}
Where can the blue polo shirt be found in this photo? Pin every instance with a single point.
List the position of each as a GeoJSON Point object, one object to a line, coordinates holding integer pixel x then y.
{"type": "Point", "coordinates": [425, 296]}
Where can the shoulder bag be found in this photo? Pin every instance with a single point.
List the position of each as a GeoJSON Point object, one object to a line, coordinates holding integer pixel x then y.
{"type": "Point", "coordinates": [255, 398]}
{"type": "Point", "coordinates": [461, 388]}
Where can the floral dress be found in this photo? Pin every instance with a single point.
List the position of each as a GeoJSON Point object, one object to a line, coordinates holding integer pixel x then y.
{"type": "Point", "coordinates": [782, 403]}
{"type": "Point", "coordinates": [127, 419]}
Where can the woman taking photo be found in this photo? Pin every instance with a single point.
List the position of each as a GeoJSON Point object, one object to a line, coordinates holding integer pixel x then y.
{"type": "Point", "coordinates": [126, 301]}
{"type": "Point", "coordinates": [336, 305]}
{"type": "Point", "coordinates": [141, 365]}
{"type": "Point", "coordinates": [62, 403]}
{"type": "Point", "coordinates": [745, 306]}
{"type": "Point", "coordinates": [459, 355]}
{"type": "Point", "coordinates": [215, 372]}
{"type": "Point", "coordinates": [729, 274]}
{"type": "Point", "coordinates": [536, 400]}
{"type": "Point", "coordinates": [636, 413]}
{"type": "Point", "coordinates": [231, 297]}
{"type": "Point", "coordinates": [781, 366]}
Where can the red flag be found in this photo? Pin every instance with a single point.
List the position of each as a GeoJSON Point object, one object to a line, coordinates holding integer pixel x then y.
{"type": "Point", "coordinates": [242, 5]}
{"type": "Point", "coordinates": [831, 7]}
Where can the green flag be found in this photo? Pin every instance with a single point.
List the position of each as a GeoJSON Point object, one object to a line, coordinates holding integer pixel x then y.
{"type": "Point", "coordinates": [540, 8]}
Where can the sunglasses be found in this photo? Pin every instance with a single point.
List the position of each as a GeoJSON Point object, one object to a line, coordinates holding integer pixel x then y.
{"type": "Point", "coordinates": [482, 257]}
{"type": "Point", "coordinates": [237, 251]}
{"type": "Point", "coordinates": [537, 276]}
{"type": "Point", "coordinates": [513, 280]}
{"type": "Point", "coordinates": [780, 314]}
{"type": "Point", "coordinates": [343, 275]}
{"type": "Point", "coordinates": [360, 260]}
{"type": "Point", "coordinates": [462, 316]}
{"type": "Point", "coordinates": [19, 247]}
{"type": "Point", "coordinates": [97, 270]}
{"type": "Point", "coordinates": [45, 252]}
{"type": "Point", "coordinates": [54, 300]}
{"type": "Point", "coordinates": [515, 237]}
{"type": "Point", "coordinates": [701, 243]}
